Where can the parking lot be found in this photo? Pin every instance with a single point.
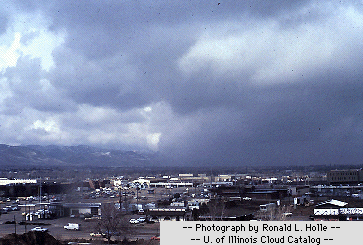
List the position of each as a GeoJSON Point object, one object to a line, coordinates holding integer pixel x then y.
{"type": "Point", "coordinates": [140, 230]}
{"type": "Point", "coordinates": [56, 227]}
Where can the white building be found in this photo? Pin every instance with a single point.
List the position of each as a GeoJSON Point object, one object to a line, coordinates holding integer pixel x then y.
{"type": "Point", "coordinates": [5, 181]}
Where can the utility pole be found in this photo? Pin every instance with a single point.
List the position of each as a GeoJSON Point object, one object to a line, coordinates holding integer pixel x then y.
{"type": "Point", "coordinates": [120, 194]}
{"type": "Point", "coordinates": [15, 224]}
{"type": "Point", "coordinates": [195, 188]}
{"type": "Point", "coordinates": [26, 204]}
{"type": "Point", "coordinates": [137, 198]}
{"type": "Point", "coordinates": [40, 190]}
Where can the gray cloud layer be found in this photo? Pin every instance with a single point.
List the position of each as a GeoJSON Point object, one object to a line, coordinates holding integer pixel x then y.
{"type": "Point", "coordinates": [222, 82]}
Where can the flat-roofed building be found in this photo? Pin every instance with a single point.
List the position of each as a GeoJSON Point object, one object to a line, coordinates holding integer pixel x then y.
{"type": "Point", "coordinates": [5, 181]}
{"type": "Point", "coordinates": [170, 214]}
{"type": "Point", "coordinates": [82, 209]}
{"type": "Point", "coordinates": [346, 176]}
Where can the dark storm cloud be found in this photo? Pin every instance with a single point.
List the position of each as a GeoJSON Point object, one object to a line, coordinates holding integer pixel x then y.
{"type": "Point", "coordinates": [98, 28]}
{"type": "Point", "coordinates": [220, 82]}
{"type": "Point", "coordinates": [319, 126]}
{"type": "Point", "coordinates": [152, 36]}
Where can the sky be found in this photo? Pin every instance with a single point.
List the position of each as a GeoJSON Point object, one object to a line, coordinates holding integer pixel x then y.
{"type": "Point", "coordinates": [235, 83]}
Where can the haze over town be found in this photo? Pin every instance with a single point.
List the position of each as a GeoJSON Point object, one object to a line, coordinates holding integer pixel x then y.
{"type": "Point", "coordinates": [213, 82]}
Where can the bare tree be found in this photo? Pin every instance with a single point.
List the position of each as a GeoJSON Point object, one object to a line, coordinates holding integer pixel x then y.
{"type": "Point", "coordinates": [113, 221]}
{"type": "Point", "coordinates": [217, 208]}
{"type": "Point", "coordinates": [279, 213]}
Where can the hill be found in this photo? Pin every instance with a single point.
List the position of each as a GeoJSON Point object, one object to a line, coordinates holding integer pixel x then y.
{"type": "Point", "coordinates": [52, 155]}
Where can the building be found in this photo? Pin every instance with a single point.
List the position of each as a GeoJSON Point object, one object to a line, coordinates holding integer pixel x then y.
{"type": "Point", "coordinates": [298, 190]}
{"type": "Point", "coordinates": [329, 210]}
{"type": "Point", "coordinates": [347, 176]}
{"type": "Point", "coordinates": [245, 217]}
{"type": "Point", "coordinates": [5, 181]}
{"type": "Point", "coordinates": [269, 207]}
{"type": "Point", "coordinates": [78, 209]}
{"type": "Point", "coordinates": [170, 185]}
{"type": "Point", "coordinates": [171, 214]}
{"type": "Point", "coordinates": [267, 194]}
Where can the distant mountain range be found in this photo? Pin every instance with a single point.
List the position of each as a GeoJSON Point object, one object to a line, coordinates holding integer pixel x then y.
{"type": "Point", "coordinates": [53, 155]}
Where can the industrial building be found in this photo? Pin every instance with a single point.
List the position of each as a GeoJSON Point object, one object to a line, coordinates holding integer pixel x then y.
{"type": "Point", "coordinates": [347, 176]}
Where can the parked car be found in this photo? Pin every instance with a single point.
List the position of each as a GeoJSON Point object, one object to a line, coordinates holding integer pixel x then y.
{"type": "Point", "coordinates": [134, 221]}
{"type": "Point", "coordinates": [141, 219]}
{"type": "Point", "coordinates": [39, 228]}
{"type": "Point", "coordinates": [72, 226]}
{"type": "Point", "coordinates": [97, 234]}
